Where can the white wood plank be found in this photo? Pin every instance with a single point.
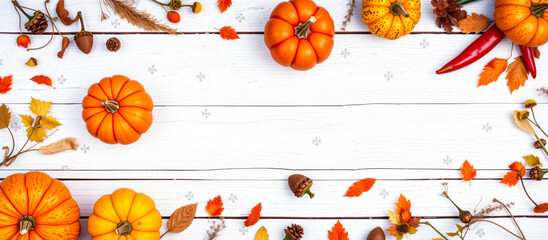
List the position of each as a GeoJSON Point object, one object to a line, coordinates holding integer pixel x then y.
{"type": "Point", "coordinates": [357, 137]}
{"type": "Point", "coordinates": [245, 16]}
{"type": "Point", "coordinates": [203, 70]}
{"type": "Point", "coordinates": [357, 229]}
{"type": "Point", "coordinates": [278, 201]}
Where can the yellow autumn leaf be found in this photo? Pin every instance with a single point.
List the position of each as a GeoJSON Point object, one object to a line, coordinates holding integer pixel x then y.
{"type": "Point", "coordinates": [40, 108]}
{"type": "Point", "coordinates": [49, 123]}
{"type": "Point", "coordinates": [523, 124]}
{"type": "Point", "coordinates": [262, 234]}
{"type": "Point", "coordinates": [394, 217]}
{"type": "Point", "coordinates": [27, 120]}
{"type": "Point", "coordinates": [37, 135]}
{"type": "Point", "coordinates": [5, 116]}
{"type": "Point", "coordinates": [532, 160]}
{"type": "Point", "coordinates": [412, 230]}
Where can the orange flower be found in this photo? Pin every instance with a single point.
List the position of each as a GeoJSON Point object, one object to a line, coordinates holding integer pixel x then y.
{"type": "Point", "coordinates": [23, 41]}
{"type": "Point", "coordinates": [402, 219]}
{"type": "Point", "coordinates": [512, 178]}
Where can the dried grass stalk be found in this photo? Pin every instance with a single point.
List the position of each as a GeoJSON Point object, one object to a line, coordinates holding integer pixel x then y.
{"type": "Point", "coordinates": [351, 5]}
{"type": "Point", "coordinates": [138, 18]}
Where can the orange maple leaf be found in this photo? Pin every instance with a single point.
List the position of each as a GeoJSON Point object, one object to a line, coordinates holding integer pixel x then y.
{"type": "Point", "coordinates": [516, 74]}
{"type": "Point", "coordinates": [468, 172]}
{"type": "Point", "coordinates": [511, 178]}
{"type": "Point", "coordinates": [403, 205]}
{"type": "Point", "coordinates": [543, 208]}
{"type": "Point", "coordinates": [360, 187]}
{"type": "Point", "coordinates": [518, 167]}
{"type": "Point", "coordinates": [338, 232]}
{"type": "Point", "coordinates": [473, 23]}
{"type": "Point", "coordinates": [254, 216]}
{"type": "Point", "coordinates": [492, 71]}
{"type": "Point", "coordinates": [215, 206]}
{"type": "Point", "coordinates": [5, 84]}
{"type": "Point", "coordinates": [224, 5]}
{"type": "Point", "coordinates": [41, 79]}
{"type": "Point", "coordinates": [228, 33]}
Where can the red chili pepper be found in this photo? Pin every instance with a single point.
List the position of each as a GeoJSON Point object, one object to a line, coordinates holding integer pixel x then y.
{"type": "Point", "coordinates": [529, 59]}
{"type": "Point", "coordinates": [479, 48]}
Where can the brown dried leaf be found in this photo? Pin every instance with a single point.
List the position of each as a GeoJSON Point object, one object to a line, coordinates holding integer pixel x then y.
{"type": "Point", "coordinates": [182, 218]}
{"type": "Point", "coordinates": [473, 23]}
{"type": "Point", "coordinates": [5, 116]}
{"type": "Point", "coordinates": [63, 13]}
{"type": "Point", "coordinates": [516, 74]}
{"type": "Point", "coordinates": [523, 124]}
{"type": "Point", "coordinates": [60, 146]}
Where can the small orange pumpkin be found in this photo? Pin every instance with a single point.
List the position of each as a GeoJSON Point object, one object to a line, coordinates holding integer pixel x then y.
{"type": "Point", "coordinates": [125, 215]}
{"type": "Point", "coordinates": [299, 34]}
{"type": "Point", "coordinates": [391, 19]}
{"type": "Point", "coordinates": [117, 110]}
{"type": "Point", "coordinates": [33, 206]}
{"type": "Point", "coordinates": [524, 22]}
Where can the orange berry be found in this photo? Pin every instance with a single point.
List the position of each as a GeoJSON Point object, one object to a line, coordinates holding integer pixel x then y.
{"type": "Point", "coordinates": [23, 41]}
{"type": "Point", "coordinates": [173, 16]}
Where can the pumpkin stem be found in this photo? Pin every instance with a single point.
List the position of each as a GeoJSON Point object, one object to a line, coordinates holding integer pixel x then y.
{"type": "Point", "coordinates": [397, 9]}
{"type": "Point", "coordinates": [538, 9]}
{"type": "Point", "coordinates": [26, 224]}
{"type": "Point", "coordinates": [111, 106]}
{"type": "Point", "coordinates": [123, 228]}
{"type": "Point", "coordinates": [302, 30]}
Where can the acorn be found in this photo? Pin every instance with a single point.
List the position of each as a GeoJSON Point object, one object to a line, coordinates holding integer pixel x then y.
{"type": "Point", "coordinates": [300, 185]}
{"type": "Point", "coordinates": [376, 234]}
{"type": "Point", "coordinates": [294, 232]}
{"type": "Point", "coordinates": [38, 23]}
{"type": "Point", "coordinates": [83, 39]}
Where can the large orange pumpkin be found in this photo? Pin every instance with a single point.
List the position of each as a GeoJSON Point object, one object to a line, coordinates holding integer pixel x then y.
{"type": "Point", "coordinates": [33, 206]}
{"type": "Point", "coordinates": [117, 110]}
{"type": "Point", "coordinates": [391, 19]}
{"type": "Point", "coordinates": [125, 215]}
{"type": "Point", "coordinates": [524, 22]}
{"type": "Point", "coordinates": [299, 34]}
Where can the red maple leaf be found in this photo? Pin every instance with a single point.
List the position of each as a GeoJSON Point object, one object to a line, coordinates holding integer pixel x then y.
{"type": "Point", "coordinates": [224, 5]}
{"type": "Point", "coordinates": [228, 33]}
{"type": "Point", "coordinates": [215, 206]}
{"type": "Point", "coordinates": [468, 172]}
{"type": "Point", "coordinates": [338, 232]}
{"type": "Point", "coordinates": [5, 84]}
{"type": "Point", "coordinates": [41, 79]}
{"type": "Point", "coordinates": [254, 216]}
{"type": "Point", "coordinates": [360, 187]}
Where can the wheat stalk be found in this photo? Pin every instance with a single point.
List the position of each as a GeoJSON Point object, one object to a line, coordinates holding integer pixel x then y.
{"type": "Point", "coordinates": [136, 17]}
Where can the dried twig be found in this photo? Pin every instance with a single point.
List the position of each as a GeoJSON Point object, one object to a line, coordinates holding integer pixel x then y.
{"type": "Point", "coordinates": [348, 18]}
{"type": "Point", "coordinates": [138, 18]}
{"type": "Point", "coordinates": [215, 228]}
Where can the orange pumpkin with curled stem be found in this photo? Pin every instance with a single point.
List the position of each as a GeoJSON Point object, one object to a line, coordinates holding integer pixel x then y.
{"type": "Point", "coordinates": [299, 34]}
{"type": "Point", "coordinates": [391, 19]}
{"type": "Point", "coordinates": [33, 206]}
{"type": "Point", "coordinates": [117, 110]}
{"type": "Point", "coordinates": [524, 22]}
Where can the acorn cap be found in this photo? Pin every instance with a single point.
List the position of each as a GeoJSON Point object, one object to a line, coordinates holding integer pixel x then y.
{"type": "Point", "coordinates": [294, 232]}
{"type": "Point", "coordinates": [300, 185]}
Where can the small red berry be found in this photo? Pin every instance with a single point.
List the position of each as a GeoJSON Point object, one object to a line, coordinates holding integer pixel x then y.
{"type": "Point", "coordinates": [173, 16]}
{"type": "Point", "coordinates": [23, 41]}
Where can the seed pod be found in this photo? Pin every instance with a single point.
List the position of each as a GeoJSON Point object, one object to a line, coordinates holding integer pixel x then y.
{"type": "Point", "coordinates": [294, 232]}
{"type": "Point", "coordinates": [537, 143]}
{"type": "Point", "coordinates": [300, 185]}
{"type": "Point", "coordinates": [465, 216]}
{"type": "Point", "coordinates": [83, 39]}
{"type": "Point", "coordinates": [113, 44]}
{"type": "Point", "coordinates": [65, 44]}
{"type": "Point", "coordinates": [376, 234]}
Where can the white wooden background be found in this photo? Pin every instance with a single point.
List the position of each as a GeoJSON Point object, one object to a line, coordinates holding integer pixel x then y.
{"type": "Point", "coordinates": [229, 121]}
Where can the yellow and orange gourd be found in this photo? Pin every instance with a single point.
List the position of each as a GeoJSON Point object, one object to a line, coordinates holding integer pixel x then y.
{"type": "Point", "coordinates": [33, 206]}
{"type": "Point", "coordinates": [391, 19]}
{"type": "Point", "coordinates": [524, 22]}
{"type": "Point", "coordinates": [125, 215]}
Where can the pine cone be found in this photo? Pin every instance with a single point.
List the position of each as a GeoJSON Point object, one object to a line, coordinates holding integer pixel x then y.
{"type": "Point", "coordinates": [300, 185]}
{"type": "Point", "coordinates": [175, 4]}
{"type": "Point", "coordinates": [448, 13]}
{"type": "Point", "coordinates": [38, 24]}
{"type": "Point", "coordinates": [535, 173]}
{"type": "Point", "coordinates": [294, 232]}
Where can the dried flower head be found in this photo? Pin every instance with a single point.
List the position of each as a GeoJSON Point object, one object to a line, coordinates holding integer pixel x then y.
{"type": "Point", "coordinates": [523, 115]}
{"type": "Point", "coordinates": [402, 220]}
{"type": "Point", "coordinates": [448, 14]}
{"type": "Point", "coordinates": [196, 7]}
{"type": "Point", "coordinates": [530, 103]}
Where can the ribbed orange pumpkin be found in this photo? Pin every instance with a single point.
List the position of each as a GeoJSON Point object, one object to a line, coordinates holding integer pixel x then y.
{"type": "Point", "coordinates": [33, 206]}
{"type": "Point", "coordinates": [117, 110]}
{"type": "Point", "coordinates": [125, 215]}
{"type": "Point", "coordinates": [524, 22]}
